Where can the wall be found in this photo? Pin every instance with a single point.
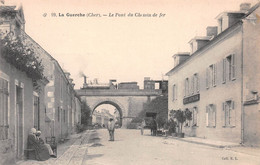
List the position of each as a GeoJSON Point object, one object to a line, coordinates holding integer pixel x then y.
{"type": "Point", "coordinates": [251, 79]}
{"type": "Point", "coordinates": [8, 147]}
{"type": "Point", "coordinates": [230, 44]}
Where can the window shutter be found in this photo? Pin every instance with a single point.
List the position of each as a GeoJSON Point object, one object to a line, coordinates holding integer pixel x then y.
{"type": "Point", "coordinates": [207, 78]}
{"type": "Point", "coordinates": [207, 116]}
{"type": "Point", "coordinates": [233, 68]}
{"type": "Point", "coordinates": [185, 87]}
{"type": "Point", "coordinates": [224, 70]}
{"type": "Point", "coordinates": [214, 75]}
{"type": "Point", "coordinates": [214, 115]}
{"type": "Point", "coordinates": [176, 94]}
{"type": "Point", "coordinates": [197, 113]}
{"type": "Point", "coordinates": [192, 85]}
{"type": "Point", "coordinates": [197, 83]}
{"type": "Point", "coordinates": [173, 92]}
{"type": "Point", "coordinates": [223, 117]}
{"type": "Point", "coordinates": [232, 114]}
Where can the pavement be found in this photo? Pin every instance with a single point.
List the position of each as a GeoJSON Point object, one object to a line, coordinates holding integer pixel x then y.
{"type": "Point", "coordinates": [67, 152]}
{"type": "Point", "coordinates": [255, 151]}
{"type": "Point", "coordinates": [130, 148]}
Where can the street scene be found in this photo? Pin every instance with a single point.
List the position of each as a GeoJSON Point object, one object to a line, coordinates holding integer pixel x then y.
{"type": "Point", "coordinates": [130, 147]}
{"type": "Point", "coordinates": [129, 82]}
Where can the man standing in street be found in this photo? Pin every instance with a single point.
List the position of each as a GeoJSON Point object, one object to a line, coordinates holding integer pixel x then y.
{"type": "Point", "coordinates": [111, 129]}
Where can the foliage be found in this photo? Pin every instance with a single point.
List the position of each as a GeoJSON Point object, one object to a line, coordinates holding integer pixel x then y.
{"type": "Point", "coordinates": [158, 105]}
{"type": "Point", "coordinates": [180, 116]}
{"type": "Point", "coordinates": [79, 128]}
{"type": "Point", "coordinates": [85, 114]}
{"type": "Point", "coordinates": [172, 126]}
{"type": "Point", "coordinates": [16, 52]}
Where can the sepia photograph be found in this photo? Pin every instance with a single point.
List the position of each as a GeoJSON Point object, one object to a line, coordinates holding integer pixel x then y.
{"type": "Point", "coordinates": [129, 82]}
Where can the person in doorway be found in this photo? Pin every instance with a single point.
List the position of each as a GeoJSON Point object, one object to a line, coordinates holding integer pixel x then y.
{"type": "Point", "coordinates": [142, 126]}
{"type": "Point", "coordinates": [40, 152]}
{"type": "Point", "coordinates": [41, 142]}
{"type": "Point", "coordinates": [111, 129]}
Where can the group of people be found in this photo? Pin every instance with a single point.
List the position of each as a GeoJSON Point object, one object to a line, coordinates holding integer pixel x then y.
{"type": "Point", "coordinates": [41, 150]}
{"type": "Point", "coordinates": [153, 126]}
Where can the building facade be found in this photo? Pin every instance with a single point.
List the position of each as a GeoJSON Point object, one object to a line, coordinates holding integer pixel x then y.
{"type": "Point", "coordinates": [54, 108]}
{"type": "Point", "coordinates": [219, 80]}
{"type": "Point", "coordinates": [22, 105]}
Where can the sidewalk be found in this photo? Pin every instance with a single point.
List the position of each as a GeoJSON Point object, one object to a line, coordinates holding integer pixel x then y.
{"type": "Point", "coordinates": [65, 151]}
{"type": "Point", "coordinates": [208, 142]}
{"type": "Point", "coordinates": [254, 151]}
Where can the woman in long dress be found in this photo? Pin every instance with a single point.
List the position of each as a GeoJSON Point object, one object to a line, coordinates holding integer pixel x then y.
{"type": "Point", "coordinates": [41, 152]}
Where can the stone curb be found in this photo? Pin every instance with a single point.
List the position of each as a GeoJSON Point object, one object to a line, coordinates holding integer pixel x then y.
{"type": "Point", "coordinates": [206, 144]}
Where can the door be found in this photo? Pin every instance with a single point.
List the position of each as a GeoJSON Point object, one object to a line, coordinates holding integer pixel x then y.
{"type": "Point", "coordinates": [19, 122]}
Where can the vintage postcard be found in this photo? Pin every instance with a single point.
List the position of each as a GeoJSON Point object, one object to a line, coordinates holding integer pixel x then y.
{"type": "Point", "coordinates": [134, 82]}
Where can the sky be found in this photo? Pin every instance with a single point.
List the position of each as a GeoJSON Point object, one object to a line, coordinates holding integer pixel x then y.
{"type": "Point", "coordinates": [123, 48]}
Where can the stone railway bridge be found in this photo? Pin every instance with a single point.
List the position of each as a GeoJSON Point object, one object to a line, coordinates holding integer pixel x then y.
{"type": "Point", "coordinates": [129, 102]}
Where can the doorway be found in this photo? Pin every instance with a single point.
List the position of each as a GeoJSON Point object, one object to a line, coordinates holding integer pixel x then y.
{"type": "Point", "coordinates": [19, 122]}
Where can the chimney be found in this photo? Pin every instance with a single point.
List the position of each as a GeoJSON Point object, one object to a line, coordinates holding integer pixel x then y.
{"type": "Point", "coordinates": [244, 7]}
{"type": "Point", "coordinates": [70, 80]}
{"type": "Point", "coordinates": [67, 74]}
{"type": "Point", "coordinates": [85, 85]}
{"type": "Point", "coordinates": [212, 31]}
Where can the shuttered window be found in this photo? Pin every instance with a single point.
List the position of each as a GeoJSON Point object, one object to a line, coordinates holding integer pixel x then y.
{"type": "Point", "coordinates": [4, 106]}
{"type": "Point", "coordinates": [196, 83]}
{"type": "Point", "coordinates": [228, 114]}
{"type": "Point", "coordinates": [214, 75]}
{"type": "Point", "coordinates": [195, 116]}
{"type": "Point", "coordinates": [36, 111]}
{"type": "Point", "coordinates": [223, 70]}
{"type": "Point", "coordinates": [211, 115]}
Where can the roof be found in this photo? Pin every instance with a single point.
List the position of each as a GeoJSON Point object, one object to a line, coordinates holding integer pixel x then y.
{"type": "Point", "coordinates": [229, 12]}
{"type": "Point", "coordinates": [251, 10]}
{"type": "Point", "coordinates": [200, 38]}
{"type": "Point", "coordinates": [182, 54]}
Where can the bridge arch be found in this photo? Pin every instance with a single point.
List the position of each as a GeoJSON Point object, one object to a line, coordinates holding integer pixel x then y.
{"type": "Point", "coordinates": [113, 102]}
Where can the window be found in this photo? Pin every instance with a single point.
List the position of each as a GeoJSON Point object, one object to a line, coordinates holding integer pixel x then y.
{"type": "Point", "coordinates": [4, 106]}
{"type": "Point", "coordinates": [187, 122]}
{"type": "Point", "coordinates": [64, 115]}
{"type": "Point", "coordinates": [231, 67]}
{"type": "Point", "coordinates": [211, 76]}
{"type": "Point", "coordinates": [228, 114]}
{"type": "Point", "coordinates": [174, 92]}
{"type": "Point", "coordinates": [36, 111]}
{"type": "Point", "coordinates": [211, 115]}
{"type": "Point", "coordinates": [61, 87]}
{"type": "Point", "coordinates": [224, 70]}
{"type": "Point", "coordinates": [192, 85]}
{"type": "Point", "coordinates": [58, 113]}
{"type": "Point", "coordinates": [196, 83]}
{"type": "Point", "coordinates": [195, 116]}
{"type": "Point", "coordinates": [186, 87]}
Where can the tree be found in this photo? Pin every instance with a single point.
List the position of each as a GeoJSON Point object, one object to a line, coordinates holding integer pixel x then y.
{"type": "Point", "coordinates": [158, 105]}
{"type": "Point", "coordinates": [85, 114]}
{"type": "Point", "coordinates": [181, 117]}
